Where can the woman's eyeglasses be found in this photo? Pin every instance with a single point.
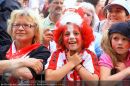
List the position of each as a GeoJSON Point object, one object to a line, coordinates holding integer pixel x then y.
{"type": "Point", "coordinates": [23, 25]}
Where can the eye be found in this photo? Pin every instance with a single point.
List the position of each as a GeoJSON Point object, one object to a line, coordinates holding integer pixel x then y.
{"type": "Point", "coordinates": [67, 34]}
{"type": "Point", "coordinates": [56, 2]}
{"type": "Point", "coordinates": [61, 2]}
{"type": "Point", "coordinates": [16, 25]}
{"type": "Point", "coordinates": [125, 39]}
{"type": "Point", "coordinates": [88, 14]}
{"type": "Point", "coordinates": [26, 25]}
{"type": "Point", "coordinates": [115, 38]}
{"type": "Point", "coordinates": [76, 33]}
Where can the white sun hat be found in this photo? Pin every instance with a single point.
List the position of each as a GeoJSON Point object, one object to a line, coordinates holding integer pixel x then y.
{"type": "Point", "coordinates": [71, 17]}
{"type": "Point", "coordinates": [122, 3]}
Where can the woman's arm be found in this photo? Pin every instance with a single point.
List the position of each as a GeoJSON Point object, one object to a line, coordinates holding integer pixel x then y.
{"type": "Point", "coordinates": [22, 73]}
{"type": "Point", "coordinates": [17, 67]}
{"type": "Point", "coordinates": [5, 65]}
{"type": "Point", "coordinates": [25, 72]}
{"type": "Point", "coordinates": [33, 68]}
{"type": "Point", "coordinates": [9, 65]}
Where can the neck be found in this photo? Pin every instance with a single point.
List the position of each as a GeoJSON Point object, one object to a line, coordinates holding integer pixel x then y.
{"type": "Point", "coordinates": [46, 43]}
{"type": "Point", "coordinates": [123, 57]}
{"type": "Point", "coordinates": [20, 45]}
{"type": "Point", "coordinates": [74, 51]}
{"type": "Point", "coordinates": [54, 18]}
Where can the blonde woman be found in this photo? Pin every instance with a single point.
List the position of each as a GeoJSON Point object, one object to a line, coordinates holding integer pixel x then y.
{"type": "Point", "coordinates": [25, 29]}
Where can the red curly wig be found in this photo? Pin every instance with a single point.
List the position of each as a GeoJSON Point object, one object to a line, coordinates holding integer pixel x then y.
{"type": "Point", "coordinates": [85, 29]}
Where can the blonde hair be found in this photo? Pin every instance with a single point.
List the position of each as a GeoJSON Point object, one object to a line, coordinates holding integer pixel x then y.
{"type": "Point", "coordinates": [107, 48]}
{"type": "Point", "coordinates": [30, 14]}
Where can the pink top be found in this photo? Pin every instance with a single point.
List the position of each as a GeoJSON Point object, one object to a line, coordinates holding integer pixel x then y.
{"type": "Point", "coordinates": [106, 61]}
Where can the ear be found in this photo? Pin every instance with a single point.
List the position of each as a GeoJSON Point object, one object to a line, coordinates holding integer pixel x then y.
{"type": "Point", "coordinates": [128, 18]}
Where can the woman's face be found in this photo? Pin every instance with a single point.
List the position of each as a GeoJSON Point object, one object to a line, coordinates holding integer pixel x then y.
{"type": "Point", "coordinates": [120, 43]}
{"type": "Point", "coordinates": [23, 29]}
{"type": "Point", "coordinates": [72, 38]}
{"type": "Point", "coordinates": [88, 15]}
{"type": "Point", "coordinates": [116, 13]}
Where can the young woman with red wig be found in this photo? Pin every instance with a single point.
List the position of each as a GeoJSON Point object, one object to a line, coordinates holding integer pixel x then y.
{"type": "Point", "coordinates": [72, 61]}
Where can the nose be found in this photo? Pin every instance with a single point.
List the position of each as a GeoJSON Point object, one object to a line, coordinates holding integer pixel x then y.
{"type": "Point", "coordinates": [21, 27]}
{"type": "Point", "coordinates": [120, 41]}
{"type": "Point", "coordinates": [71, 36]}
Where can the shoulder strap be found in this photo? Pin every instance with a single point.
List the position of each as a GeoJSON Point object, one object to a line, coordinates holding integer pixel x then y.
{"type": "Point", "coordinates": [98, 27]}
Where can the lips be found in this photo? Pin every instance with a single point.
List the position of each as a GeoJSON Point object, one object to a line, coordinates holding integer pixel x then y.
{"type": "Point", "coordinates": [20, 33]}
{"type": "Point", "coordinates": [72, 42]}
{"type": "Point", "coordinates": [119, 49]}
{"type": "Point", "coordinates": [58, 9]}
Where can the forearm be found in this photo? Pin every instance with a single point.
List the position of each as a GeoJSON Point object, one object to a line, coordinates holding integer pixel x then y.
{"type": "Point", "coordinates": [112, 80]}
{"type": "Point", "coordinates": [86, 75]}
{"type": "Point", "coordinates": [4, 65]}
{"type": "Point", "coordinates": [10, 65]}
{"type": "Point", "coordinates": [118, 76]}
{"type": "Point", "coordinates": [22, 73]}
{"type": "Point", "coordinates": [16, 63]}
{"type": "Point", "coordinates": [58, 74]}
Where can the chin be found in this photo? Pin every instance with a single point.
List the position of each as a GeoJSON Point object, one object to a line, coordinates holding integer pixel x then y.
{"type": "Point", "coordinates": [22, 40]}
{"type": "Point", "coordinates": [72, 49]}
{"type": "Point", "coordinates": [58, 14]}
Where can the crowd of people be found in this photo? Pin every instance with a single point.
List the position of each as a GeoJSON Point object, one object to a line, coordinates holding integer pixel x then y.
{"type": "Point", "coordinates": [52, 42]}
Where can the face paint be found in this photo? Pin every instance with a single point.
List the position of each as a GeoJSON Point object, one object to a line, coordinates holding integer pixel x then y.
{"type": "Point", "coordinates": [72, 38]}
{"type": "Point", "coordinates": [70, 29]}
{"type": "Point", "coordinates": [127, 45]}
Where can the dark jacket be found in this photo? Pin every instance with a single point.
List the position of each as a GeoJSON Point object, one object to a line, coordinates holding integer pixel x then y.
{"type": "Point", "coordinates": [6, 7]}
{"type": "Point", "coordinates": [5, 38]}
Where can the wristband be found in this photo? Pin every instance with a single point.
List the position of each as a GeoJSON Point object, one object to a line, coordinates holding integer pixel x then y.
{"type": "Point", "coordinates": [79, 68]}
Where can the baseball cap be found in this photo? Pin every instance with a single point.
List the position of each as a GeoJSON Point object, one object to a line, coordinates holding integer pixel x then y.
{"type": "Point", "coordinates": [121, 3]}
{"type": "Point", "coordinates": [120, 27]}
